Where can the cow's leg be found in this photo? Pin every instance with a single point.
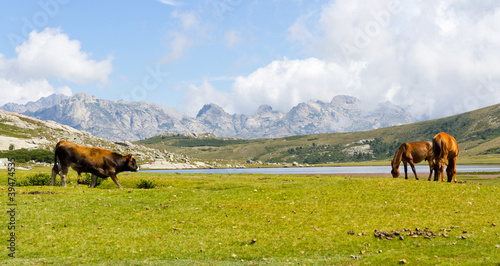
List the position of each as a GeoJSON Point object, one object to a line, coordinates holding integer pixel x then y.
{"type": "Point", "coordinates": [94, 181]}
{"type": "Point", "coordinates": [55, 171]}
{"type": "Point", "coordinates": [63, 174]}
{"type": "Point", "coordinates": [116, 181]}
{"type": "Point", "coordinates": [413, 169]}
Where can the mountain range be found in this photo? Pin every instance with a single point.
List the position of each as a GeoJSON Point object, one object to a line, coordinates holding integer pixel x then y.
{"type": "Point", "coordinates": [122, 120]}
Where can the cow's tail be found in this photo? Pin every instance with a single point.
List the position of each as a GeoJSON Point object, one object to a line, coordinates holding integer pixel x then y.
{"type": "Point", "coordinates": [56, 167]}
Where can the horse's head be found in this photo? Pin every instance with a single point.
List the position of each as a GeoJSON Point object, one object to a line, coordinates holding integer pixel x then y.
{"type": "Point", "coordinates": [395, 170]}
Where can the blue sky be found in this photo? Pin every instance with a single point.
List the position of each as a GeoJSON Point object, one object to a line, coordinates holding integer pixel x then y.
{"type": "Point", "coordinates": [434, 58]}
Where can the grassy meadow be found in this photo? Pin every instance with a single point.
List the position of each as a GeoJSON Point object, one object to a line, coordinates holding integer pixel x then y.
{"type": "Point", "coordinates": [205, 219]}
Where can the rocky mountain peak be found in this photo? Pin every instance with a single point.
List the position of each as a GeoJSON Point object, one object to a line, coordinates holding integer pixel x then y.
{"type": "Point", "coordinates": [84, 97]}
{"type": "Point", "coordinates": [43, 102]}
{"type": "Point", "coordinates": [264, 109]}
{"type": "Point", "coordinates": [211, 109]}
{"type": "Point", "coordinates": [344, 100]}
{"type": "Point", "coordinates": [123, 120]}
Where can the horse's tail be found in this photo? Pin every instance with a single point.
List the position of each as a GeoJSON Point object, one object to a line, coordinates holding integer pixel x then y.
{"type": "Point", "coordinates": [437, 146]}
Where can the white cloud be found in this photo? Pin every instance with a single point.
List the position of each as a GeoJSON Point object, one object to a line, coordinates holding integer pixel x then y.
{"type": "Point", "coordinates": [51, 54]}
{"type": "Point", "coordinates": [435, 58]}
{"type": "Point", "coordinates": [429, 56]}
{"type": "Point", "coordinates": [285, 83]}
{"type": "Point", "coordinates": [299, 32]}
{"type": "Point", "coordinates": [189, 20]}
{"type": "Point", "coordinates": [169, 2]}
{"type": "Point", "coordinates": [179, 44]}
{"type": "Point", "coordinates": [23, 92]}
{"type": "Point", "coordinates": [232, 38]}
{"type": "Point", "coordinates": [45, 55]}
{"type": "Point", "coordinates": [281, 84]}
{"type": "Point", "coordinates": [189, 34]}
{"type": "Point", "coordinates": [201, 95]}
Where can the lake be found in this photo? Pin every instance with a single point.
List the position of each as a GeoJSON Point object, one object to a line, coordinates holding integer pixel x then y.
{"type": "Point", "coordinates": [422, 170]}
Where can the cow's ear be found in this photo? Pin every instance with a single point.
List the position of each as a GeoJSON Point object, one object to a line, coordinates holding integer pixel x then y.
{"type": "Point", "coordinates": [129, 157]}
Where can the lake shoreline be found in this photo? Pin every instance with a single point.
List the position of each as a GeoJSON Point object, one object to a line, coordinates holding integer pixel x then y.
{"type": "Point", "coordinates": [422, 170]}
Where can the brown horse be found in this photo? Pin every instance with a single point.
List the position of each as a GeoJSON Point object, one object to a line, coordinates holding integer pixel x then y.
{"type": "Point", "coordinates": [412, 152]}
{"type": "Point", "coordinates": [445, 148]}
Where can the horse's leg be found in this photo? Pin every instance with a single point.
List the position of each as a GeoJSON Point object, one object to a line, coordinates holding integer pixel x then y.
{"type": "Point", "coordinates": [443, 162]}
{"type": "Point", "coordinates": [413, 169]}
{"type": "Point", "coordinates": [448, 172]}
{"type": "Point", "coordinates": [451, 169]}
{"type": "Point", "coordinates": [437, 163]}
{"type": "Point", "coordinates": [431, 167]}
{"type": "Point", "coordinates": [454, 169]}
{"type": "Point", "coordinates": [439, 170]}
{"type": "Point", "coordinates": [406, 169]}
{"type": "Point", "coordinates": [442, 171]}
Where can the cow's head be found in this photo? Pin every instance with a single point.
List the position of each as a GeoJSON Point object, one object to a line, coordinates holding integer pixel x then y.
{"type": "Point", "coordinates": [131, 164]}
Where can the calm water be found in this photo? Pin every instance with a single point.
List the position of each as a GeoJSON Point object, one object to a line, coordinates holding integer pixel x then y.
{"type": "Point", "coordinates": [421, 169]}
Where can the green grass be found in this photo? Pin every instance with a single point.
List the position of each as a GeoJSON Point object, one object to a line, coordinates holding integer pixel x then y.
{"type": "Point", "coordinates": [277, 219]}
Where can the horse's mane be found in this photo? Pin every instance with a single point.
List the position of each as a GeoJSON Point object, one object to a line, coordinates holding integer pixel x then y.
{"type": "Point", "coordinates": [398, 157]}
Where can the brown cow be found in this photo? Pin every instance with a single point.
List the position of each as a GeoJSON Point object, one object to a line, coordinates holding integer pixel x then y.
{"type": "Point", "coordinates": [99, 162]}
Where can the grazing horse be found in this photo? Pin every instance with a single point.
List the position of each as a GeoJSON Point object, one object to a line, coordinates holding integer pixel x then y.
{"type": "Point", "coordinates": [445, 148]}
{"type": "Point", "coordinates": [412, 152]}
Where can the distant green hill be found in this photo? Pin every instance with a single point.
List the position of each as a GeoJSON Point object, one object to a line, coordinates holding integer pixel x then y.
{"type": "Point", "coordinates": [477, 133]}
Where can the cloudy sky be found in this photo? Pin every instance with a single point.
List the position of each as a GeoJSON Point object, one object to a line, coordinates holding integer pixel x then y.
{"type": "Point", "coordinates": [435, 58]}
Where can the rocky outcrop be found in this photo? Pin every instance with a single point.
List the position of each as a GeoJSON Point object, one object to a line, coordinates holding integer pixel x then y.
{"type": "Point", "coordinates": [23, 132]}
{"type": "Point", "coordinates": [121, 120]}
{"type": "Point", "coordinates": [33, 106]}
